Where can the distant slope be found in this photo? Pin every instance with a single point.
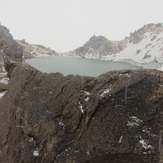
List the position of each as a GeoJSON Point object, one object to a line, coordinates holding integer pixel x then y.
{"type": "Point", "coordinates": [32, 51]}
{"type": "Point", "coordinates": [143, 47]}
{"type": "Point", "coordinates": [98, 47]}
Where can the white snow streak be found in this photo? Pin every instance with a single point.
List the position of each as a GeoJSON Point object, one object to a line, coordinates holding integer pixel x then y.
{"type": "Point", "coordinates": [2, 94]}
{"type": "Point", "coordinates": [105, 92]}
{"type": "Point", "coordinates": [144, 144]}
{"type": "Point", "coordinates": [80, 106]}
{"type": "Point", "coordinates": [120, 139]}
{"type": "Point", "coordinates": [36, 153]}
{"type": "Point", "coordinates": [4, 80]}
{"type": "Point", "coordinates": [87, 99]}
{"type": "Point", "coordinates": [87, 93]}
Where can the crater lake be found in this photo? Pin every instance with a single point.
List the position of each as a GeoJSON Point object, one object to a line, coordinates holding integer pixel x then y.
{"type": "Point", "coordinates": [80, 66]}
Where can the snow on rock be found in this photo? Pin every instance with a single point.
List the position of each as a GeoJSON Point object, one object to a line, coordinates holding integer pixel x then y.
{"type": "Point", "coordinates": [80, 106]}
{"type": "Point", "coordinates": [145, 51]}
{"type": "Point", "coordinates": [61, 124]}
{"type": "Point", "coordinates": [4, 80]}
{"type": "Point", "coordinates": [87, 99]}
{"type": "Point", "coordinates": [134, 121]}
{"type": "Point", "coordinates": [36, 153]}
{"type": "Point", "coordinates": [2, 94]}
{"type": "Point", "coordinates": [87, 93]}
{"type": "Point", "coordinates": [120, 139]}
{"type": "Point", "coordinates": [145, 144]}
{"type": "Point", "coordinates": [34, 147]}
{"type": "Point", "coordinates": [105, 92]}
{"type": "Point", "coordinates": [148, 52]}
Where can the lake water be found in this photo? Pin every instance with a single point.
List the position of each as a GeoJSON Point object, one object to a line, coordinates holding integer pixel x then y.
{"type": "Point", "coordinates": [80, 66]}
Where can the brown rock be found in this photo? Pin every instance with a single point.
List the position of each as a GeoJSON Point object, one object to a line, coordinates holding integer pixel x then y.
{"type": "Point", "coordinates": [49, 118]}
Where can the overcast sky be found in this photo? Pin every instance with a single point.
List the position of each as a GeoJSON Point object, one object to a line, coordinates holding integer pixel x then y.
{"type": "Point", "coordinates": [64, 25]}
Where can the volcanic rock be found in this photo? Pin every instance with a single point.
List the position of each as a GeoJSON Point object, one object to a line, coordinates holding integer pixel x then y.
{"type": "Point", "coordinates": [51, 118]}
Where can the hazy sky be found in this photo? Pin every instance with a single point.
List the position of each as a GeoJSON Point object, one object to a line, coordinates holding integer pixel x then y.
{"type": "Point", "coordinates": [64, 25]}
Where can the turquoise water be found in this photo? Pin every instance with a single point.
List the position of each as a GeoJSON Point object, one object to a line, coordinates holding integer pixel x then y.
{"type": "Point", "coordinates": [80, 66]}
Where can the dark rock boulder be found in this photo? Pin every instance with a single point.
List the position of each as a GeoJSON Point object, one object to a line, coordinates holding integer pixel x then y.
{"type": "Point", "coordinates": [48, 118]}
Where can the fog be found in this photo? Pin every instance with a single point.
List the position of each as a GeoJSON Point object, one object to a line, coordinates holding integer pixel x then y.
{"type": "Point", "coordinates": [64, 25]}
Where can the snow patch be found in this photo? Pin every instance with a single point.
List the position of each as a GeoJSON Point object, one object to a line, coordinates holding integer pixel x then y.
{"type": "Point", "coordinates": [105, 92]}
{"type": "Point", "coordinates": [134, 121]}
{"type": "Point", "coordinates": [148, 50]}
{"type": "Point", "coordinates": [36, 153]}
{"type": "Point", "coordinates": [87, 99]}
{"type": "Point", "coordinates": [2, 94]}
{"type": "Point", "coordinates": [33, 144]}
{"type": "Point", "coordinates": [80, 106]}
{"type": "Point", "coordinates": [145, 144]}
{"type": "Point", "coordinates": [61, 124]}
{"type": "Point", "coordinates": [87, 93]}
{"type": "Point", "coordinates": [4, 81]}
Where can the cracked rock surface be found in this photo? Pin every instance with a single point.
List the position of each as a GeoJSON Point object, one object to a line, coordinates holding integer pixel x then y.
{"type": "Point", "coordinates": [51, 118]}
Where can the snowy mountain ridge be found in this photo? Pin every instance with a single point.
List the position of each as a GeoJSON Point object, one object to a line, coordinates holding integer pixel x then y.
{"type": "Point", "coordinates": [144, 47]}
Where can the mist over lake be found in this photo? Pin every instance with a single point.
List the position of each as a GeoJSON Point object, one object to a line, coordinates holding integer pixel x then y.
{"type": "Point", "coordinates": [80, 66]}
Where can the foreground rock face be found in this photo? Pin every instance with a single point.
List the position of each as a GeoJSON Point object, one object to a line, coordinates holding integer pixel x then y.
{"type": "Point", "coordinates": [116, 117]}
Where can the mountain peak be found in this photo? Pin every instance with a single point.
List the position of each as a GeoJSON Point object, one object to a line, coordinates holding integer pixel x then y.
{"type": "Point", "coordinates": [94, 37]}
{"type": "Point", "coordinates": [143, 46]}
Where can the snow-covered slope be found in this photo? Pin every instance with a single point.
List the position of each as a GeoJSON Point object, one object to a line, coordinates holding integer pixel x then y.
{"type": "Point", "coordinates": [148, 52]}
{"type": "Point", "coordinates": [33, 51]}
{"type": "Point", "coordinates": [143, 47]}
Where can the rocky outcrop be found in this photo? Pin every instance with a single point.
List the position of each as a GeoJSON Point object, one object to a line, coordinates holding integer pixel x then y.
{"type": "Point", "coordinates": [98, 47]}
{"type": "Point", "coordinates": [32, 51]}
{"type": "Point", "coordinates": [9, 47]}
{"type": "Point", "coordinates": [138, 35]}
{"type": "Point", "coordinates": [115, 117]}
